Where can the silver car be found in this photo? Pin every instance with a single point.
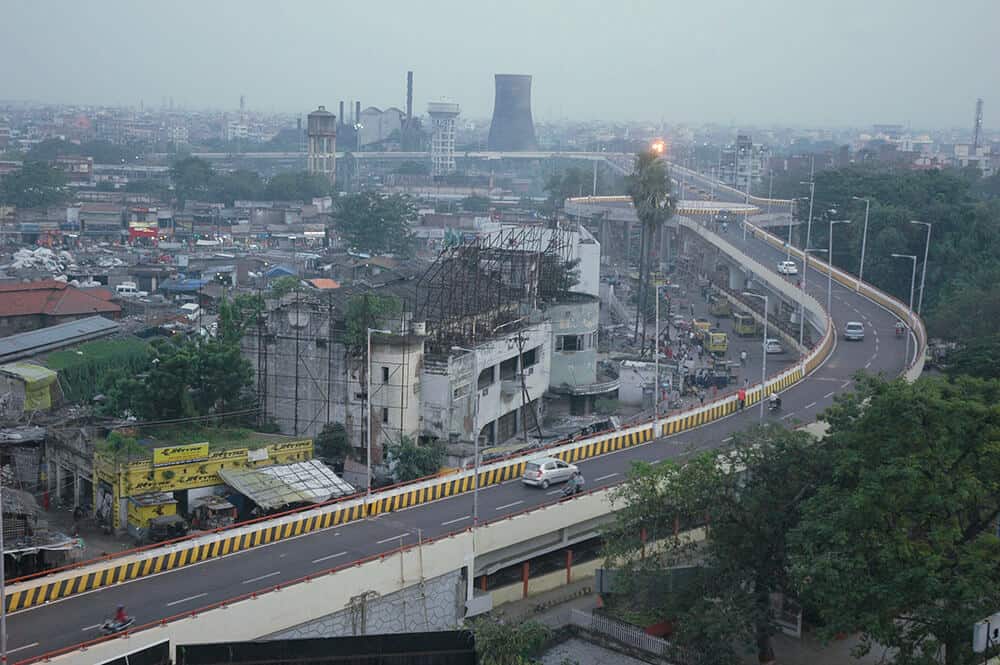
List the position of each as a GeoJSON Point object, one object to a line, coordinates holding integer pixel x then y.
{"type": "Point", "coordinates": [854, 331]}
{"type": "Point", "coordinates": [547, 471]}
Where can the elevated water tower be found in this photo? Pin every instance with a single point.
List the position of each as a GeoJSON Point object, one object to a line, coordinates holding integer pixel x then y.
{"type": "Point", "coordinates": [321, 127]}
{"type": "Point", "coordinates": [442, 114]}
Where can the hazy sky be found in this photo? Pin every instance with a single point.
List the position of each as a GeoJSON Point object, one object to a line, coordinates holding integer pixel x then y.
{"type": "Point", "coordinates": [806, 62]}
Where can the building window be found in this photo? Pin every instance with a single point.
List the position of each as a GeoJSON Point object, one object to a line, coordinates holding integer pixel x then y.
{"type": "Point", "coordinates": [385, 375]}
{"type": "Point", "coordinates": [385, 414]}
{"type": "Point", "coordinates": [530, 357]}
{"type": "Point", "coordinates": [569, 343]}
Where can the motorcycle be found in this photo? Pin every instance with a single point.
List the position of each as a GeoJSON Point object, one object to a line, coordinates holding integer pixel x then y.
{"type": "Point", "coordinates": [110, 626]}
{"type": "Point", "coordinates": [572, 488]}
{"type": "Point", "coordinates": [900, 329]}
{"type": "Point", "coordinates": [774, 404]}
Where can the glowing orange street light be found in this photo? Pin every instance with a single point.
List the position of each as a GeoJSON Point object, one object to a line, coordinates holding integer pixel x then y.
{"type": "Point", "coordinates": [658, 146]}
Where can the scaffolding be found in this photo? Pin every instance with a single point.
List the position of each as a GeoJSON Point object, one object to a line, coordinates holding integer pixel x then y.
{"type": "Point", "coordinates": [490, 280]}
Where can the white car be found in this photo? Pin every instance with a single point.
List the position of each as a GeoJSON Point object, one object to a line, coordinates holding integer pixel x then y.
{"type": "Point", "coordinates": [854, 331]}
{"type": "Point", "coordinates": [547, 471]}
{"type": "Point", "coordinates": [772, 345]}
{"type": "Point", "coordinates": [788, 268]}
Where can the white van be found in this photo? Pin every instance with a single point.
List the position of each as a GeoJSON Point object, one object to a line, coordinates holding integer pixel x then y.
{"type": "Point", "coordinates": [127, 289]}
{"type": "Point", "coordinates": [191, 310]}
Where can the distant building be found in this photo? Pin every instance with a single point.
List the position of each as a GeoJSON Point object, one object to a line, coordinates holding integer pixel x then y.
{"type": "Point", "coordinates": [378, 126]}
{"type": "Point", "coordinates": [743, 164]}
{"type": "Point", "coordinates": [443, 114]}
{"type": "Point", "coordinates": [512, 128]}
{"type": "Point", "coordinates": [33, 305]}
{"type": "Point", "coordinates": [321, 127]}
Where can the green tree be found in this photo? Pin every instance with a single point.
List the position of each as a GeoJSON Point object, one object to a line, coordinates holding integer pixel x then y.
{"type": "Point", "coordinates": [504, 643]}
{"type": "Point", "coordinates": [297, 186]}
{"type": "Point", "coordinates": [364, 311]}
{"type": "Point", "coordinates": [476, 203]}
{"type": "Point", "coordinates": [901, 543]}
{"type": "Point", "coordinates": [332, 443]}
{"type": "Point", "coordinates": [284, 285]}
{"type": "Point", "coordinates": [718, 591]}
{"type": "Point", "coordinates": [35, 185]}
{"type": "Point", "coordinates": [979, 357]}
{"type": "Point", "coordinates": [572, 182]}
{"type": "Point", "coordinates": [411, 461]}
{"type": "Point", "coordinates": [378, 224]}
{"type": "Point", "coordinates": [192, 177]}
{"type": "Point", "coordinates": [649, 188]}
{"type": "Point", "coordinates": [238, 185]}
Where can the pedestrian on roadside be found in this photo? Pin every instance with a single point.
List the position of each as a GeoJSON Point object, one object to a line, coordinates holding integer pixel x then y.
{"type": "Point", "coordinates": [692, 309]}
{"type": "Point", "coordinates": [701, 397]}
{"type": "Point", "coordinates": [743, 358]}
{"type": "Point", "coordinates": [742, 397]}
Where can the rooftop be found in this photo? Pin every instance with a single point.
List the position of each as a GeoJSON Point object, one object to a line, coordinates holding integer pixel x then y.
{"type": "Point", "coordinates": [53, 298]}
{"type": "Point", "coordinates": [27, 344]}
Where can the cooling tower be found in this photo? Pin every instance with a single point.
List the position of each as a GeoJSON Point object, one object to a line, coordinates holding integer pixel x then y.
{"type": "Point", "coordinates": [512, 129]}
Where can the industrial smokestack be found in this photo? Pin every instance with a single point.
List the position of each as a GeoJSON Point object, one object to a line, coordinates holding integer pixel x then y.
{"type": "Point", "coordinates": [342, 117]}
{"type": "Point", "coordinates": [357, 112]}
{"type": "Point", "coordinates": [512, 128]}
{"type": "Point", "coordinates": [409, 95]}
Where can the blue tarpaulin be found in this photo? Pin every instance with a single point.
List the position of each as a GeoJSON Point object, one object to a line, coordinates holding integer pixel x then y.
{"type": "Point", "coordinates": [183, 285]}
{"type": "Point", "coordinates": [281, 271]}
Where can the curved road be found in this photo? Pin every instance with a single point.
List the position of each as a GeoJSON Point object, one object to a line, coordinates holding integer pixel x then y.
{"type": "Point", "coordinates": [75, 619]}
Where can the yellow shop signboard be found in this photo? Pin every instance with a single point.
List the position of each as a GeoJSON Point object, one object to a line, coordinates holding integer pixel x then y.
{"type": "Point", "coordinates": [168, 455]}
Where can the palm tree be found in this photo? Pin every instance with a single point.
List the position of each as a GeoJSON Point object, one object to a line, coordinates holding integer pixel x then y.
{"type": "Point", "coordinates": [649, 187]}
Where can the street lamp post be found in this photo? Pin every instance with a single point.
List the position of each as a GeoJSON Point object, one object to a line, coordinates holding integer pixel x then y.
{"type": "Point", "coordinates": [923, 271]}
{"type": "Point", "coordinates": [368, 400]}
{"type": "Point", "coordinates": [812, 197]}
{"type": "Point", "coordinates": [913, 282]}
{"type": "Point", "coordinates": [829, 266]}
{"type": "Point", "coordinates": [656, 355]}
{"type": "Point", "coordinates": [763, 355]}
{"type": "Point", "coordinates": [475, 432]}
{"type": "Point", "coordinates": [864, 240]}
{"type": "Point", "coordinates": [802, 304]}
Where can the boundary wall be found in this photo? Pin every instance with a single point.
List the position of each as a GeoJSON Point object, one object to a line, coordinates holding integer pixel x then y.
{"type": "Point", "coordinates": [87, 576]}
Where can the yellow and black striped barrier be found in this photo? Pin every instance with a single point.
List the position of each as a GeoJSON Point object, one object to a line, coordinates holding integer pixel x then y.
{"type": "Point", "coordinates": [32, 593]}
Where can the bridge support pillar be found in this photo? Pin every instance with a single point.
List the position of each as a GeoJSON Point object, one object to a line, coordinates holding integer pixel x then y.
{"type": "Point", "coordinates": [569, 566]}
{"type": "Point", "coordinates": [525, 574]}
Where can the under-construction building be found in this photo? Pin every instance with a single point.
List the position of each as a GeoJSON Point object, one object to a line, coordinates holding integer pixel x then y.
{"type": "Point", "coordinates": [470, 354]}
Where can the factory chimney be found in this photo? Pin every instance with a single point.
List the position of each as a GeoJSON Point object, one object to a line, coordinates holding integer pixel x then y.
{"type": "Point", "coordinates": [512, 129]}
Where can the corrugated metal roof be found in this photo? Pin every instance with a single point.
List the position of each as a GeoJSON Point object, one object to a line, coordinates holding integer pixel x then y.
{"type": "Point", "coordinates": [55, 337]}
{"type": "Point", "coordinates": [274, 487]}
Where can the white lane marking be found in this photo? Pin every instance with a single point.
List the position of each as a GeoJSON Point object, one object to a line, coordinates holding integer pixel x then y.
{"type": "Point", "coordinates": [328, 557]}
{"type": "Point", "coordinates": [845, 384]}
{"type": "Point", "coordinates": [656, 461]}
{"type": "Point", "coordinates": [261, 577]}
{"type": "Point", "coordinates": [553, 493]}
{"type": "Point", "coordinates": [600, 478]}
{"type": "Point", "coordinates": [810, 405]}
{"type": "Point", "coordinates": [26, 646]}
{"type": "Point", "coordinates": [728, 438]}
{"type": "Point", "coordinates": [282, 556]}
{"type": "Point", "coordinates": [94, 627]}
{"type": "Point", "coordinates": [510, 505]}
{"type": "Point", "coordinates": [386, 540]}
{"type": "Point", "coordinates": [184, 600]}
{"type": "Point", "coordinates": [787, 416]}
{"type": "Point", "coordinates": [868, 364]}
{"type": "Point", "coordinates": [828, 395]}
{"type": "Point", "coordinates": [457, 519]}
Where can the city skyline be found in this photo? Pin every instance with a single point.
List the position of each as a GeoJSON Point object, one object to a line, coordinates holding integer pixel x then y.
{"type": "Point", "coordinates": [826, 65]}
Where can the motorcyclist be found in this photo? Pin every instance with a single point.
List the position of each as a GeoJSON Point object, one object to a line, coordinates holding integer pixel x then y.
{"type": "Point", "coordinates": [120, 616]}
{"type": "Point", "coordinates": [775, 401]}
{"type": "Point", "coordinates": [899, 329]}
{"type": "Point", "coordinates": [575, 484]}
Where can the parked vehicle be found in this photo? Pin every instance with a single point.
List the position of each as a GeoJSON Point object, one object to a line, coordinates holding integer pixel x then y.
{"type": "Point", "coordinates": [547, 471]}
{"type": "Point", "coordinates": [788, 268]}
{"type": "Point", "coordinates": [166, 527]}
{"type": "Point", "coordinates": [854, 331]}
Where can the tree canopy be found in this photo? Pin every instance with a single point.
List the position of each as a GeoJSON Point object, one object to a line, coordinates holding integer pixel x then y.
{"type": "Point", "coordinates": [375, 223]}
{"type": "Point", "coordinates": [35, 185]}
{"type": "Point", "coordinates": [194, 178]}
{"type": "Point", "coordinates": [718, 591]}
{"type": "Point", "coordinates": [411, 461]}
{"type": "Point", "coordinates": [901, 541]}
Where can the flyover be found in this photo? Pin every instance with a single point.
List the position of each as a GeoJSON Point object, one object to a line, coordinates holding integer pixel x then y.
{"type": "Point", "coordinates": [168, 601]}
